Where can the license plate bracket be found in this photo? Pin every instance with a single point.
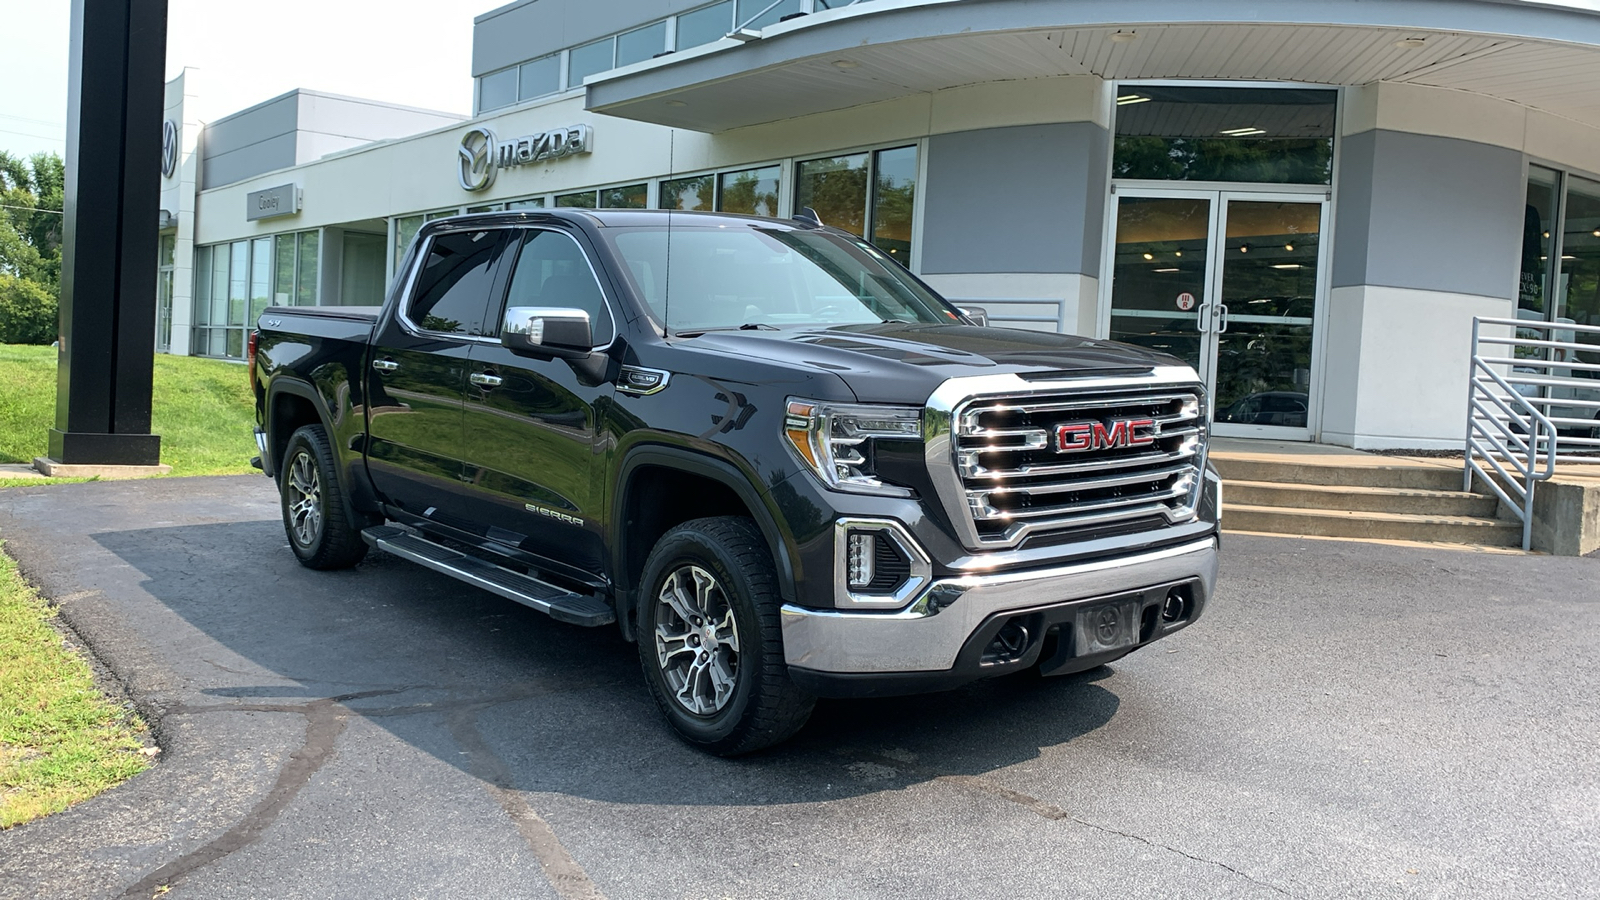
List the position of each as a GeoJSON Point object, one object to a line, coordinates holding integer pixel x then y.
{"type": "Point", "coordinates": [1105, 627]}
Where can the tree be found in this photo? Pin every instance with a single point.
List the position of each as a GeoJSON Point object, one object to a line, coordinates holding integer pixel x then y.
{"type": "Point", "coordinates": [31, 226]}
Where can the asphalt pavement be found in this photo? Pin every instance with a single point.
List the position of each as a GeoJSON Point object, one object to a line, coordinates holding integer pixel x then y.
{"type": "Point", "coordinates": [1346, 720]}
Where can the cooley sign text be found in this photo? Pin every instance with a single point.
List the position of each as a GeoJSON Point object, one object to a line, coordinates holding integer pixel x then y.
{"type": "Point", "coordinates": [481, 153]}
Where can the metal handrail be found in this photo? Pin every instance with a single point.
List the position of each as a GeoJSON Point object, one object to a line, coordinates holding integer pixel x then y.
{"type": "Point", "coordinates": [1518, 404]}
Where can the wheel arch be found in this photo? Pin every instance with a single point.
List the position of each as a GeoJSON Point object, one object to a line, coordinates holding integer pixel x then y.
{"type": "Point", "coordinates": [722, 482]}
{"type": "Point", "coordinates": [291, 404]}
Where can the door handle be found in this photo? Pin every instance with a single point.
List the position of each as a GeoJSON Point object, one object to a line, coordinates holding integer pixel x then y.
{"type": "Point", "coordinates": [1203, 317]}
{"type": "Point", "coordinates": [485, 379]}
{"type": "Point", "coordinates": [385, 365]}
{"type": "Point", "coordinates": [1222, 318]}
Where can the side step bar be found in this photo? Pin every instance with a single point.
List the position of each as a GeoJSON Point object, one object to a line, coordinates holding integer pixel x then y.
{"type": "Point", "coordinates": [561, 605]}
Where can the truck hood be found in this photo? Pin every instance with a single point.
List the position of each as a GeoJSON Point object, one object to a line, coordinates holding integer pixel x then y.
{"type": "Point", "coordinates": [903, 363]}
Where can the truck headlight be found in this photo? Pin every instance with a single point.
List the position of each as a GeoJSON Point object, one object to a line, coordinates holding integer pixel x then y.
{"type": "Point", "coordinates": [835, 440]}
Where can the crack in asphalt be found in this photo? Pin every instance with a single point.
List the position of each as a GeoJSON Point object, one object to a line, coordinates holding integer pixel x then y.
{"type": "Point", "coordinates": [978, 784]}
{"type": "Point", "coordinates": [565, 875]}
{"type": "Point", "coordinates": [326, 719]}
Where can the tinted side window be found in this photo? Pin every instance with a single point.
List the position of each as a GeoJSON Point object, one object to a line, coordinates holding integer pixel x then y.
{"type": "Point", "coordinates": [553, 271]}
{"type": "Point", "coordinates": [454, 285]}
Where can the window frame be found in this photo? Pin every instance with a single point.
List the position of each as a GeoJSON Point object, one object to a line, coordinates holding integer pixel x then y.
{"type": "Point", "coordinates": [523, 235]}
{"type": "Point", "coordinates": [402, 312]}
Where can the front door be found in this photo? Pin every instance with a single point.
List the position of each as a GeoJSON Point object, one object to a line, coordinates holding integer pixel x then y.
{"type": "Point", "coordinates": [534, 453]}
{"type": "Point", "coordinates": [1230, 282]}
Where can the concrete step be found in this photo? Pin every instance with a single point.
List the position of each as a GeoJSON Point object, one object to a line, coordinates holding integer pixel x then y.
{"type": "Point", "coordinates": [1359, 499]}
{"type": "Point", "coordinates": [1370, 525]}
{"type": "Point", "coordinates": [1288, 470]}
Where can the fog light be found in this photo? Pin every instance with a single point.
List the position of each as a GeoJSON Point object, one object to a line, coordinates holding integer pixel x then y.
{"type": "Point", "coordinates": [863, 547]}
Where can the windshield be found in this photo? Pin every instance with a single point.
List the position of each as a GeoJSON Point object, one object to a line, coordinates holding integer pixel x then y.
{"type": "Point", "coordinates": [719, 278]}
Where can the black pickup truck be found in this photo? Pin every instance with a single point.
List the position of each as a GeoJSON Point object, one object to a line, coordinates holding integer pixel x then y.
{"type": "Point", "coordinates": [778, 461]}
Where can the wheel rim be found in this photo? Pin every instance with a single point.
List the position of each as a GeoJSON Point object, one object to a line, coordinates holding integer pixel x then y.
{"type": "Point", "coordinates": [305, 499]}
{"type": "Point", "coordinates": [697, 640]}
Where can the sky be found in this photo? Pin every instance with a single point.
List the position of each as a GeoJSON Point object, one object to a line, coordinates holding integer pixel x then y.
{"type": "Point", "coordinates": [401, 51]}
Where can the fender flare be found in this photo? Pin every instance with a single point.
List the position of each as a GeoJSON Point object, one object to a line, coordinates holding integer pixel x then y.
{"type": "Point", "coordinates": [705, 466]}
{"type": "Point", "coordinates": [306, 391]}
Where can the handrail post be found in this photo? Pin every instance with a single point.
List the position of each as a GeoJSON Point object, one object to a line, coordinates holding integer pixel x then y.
{"type": "Point", "coordinates": [1472, 390]}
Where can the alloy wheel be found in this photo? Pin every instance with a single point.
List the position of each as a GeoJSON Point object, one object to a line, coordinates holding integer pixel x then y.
{"type": "Point", "coordinates": [697, 640]}
{"type": "Point", "coordinates": [304, 500]}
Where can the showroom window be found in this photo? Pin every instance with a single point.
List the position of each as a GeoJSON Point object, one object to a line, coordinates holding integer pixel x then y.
{"type": "Point", "coordinates": [751, 191]}
{"type": "Point", "coordinates": [1560, 248]}
{"type": "Point", "coordinates": [870, 194]}
{"type": "Point", "coordinates": [1259, 135]}
{"type": "Point", "coordinates": [1560, 278]}
{"type": "Point", "coordinates": [234, 282]}
{"type": "Point", "coordinates": [164, 268]}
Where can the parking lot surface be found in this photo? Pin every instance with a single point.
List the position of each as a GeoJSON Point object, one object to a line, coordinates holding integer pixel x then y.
{"type": "Point", "coordinates": [1346, 720]}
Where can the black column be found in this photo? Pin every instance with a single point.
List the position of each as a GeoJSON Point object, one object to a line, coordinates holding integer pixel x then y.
{"type": "Point", "coordinates": [108, 255]}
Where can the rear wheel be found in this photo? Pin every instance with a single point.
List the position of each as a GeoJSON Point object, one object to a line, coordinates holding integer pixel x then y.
{"type": "Point", "coordinates": [709, 638]}
{"type": "Point", "coordinates": [320, 530]}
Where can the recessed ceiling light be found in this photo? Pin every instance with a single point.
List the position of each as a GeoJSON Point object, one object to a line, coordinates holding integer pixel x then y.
{"type": "Point", "coordinates": [1123, 37]}
{"type": "Point", "coordinates": [1289, 247]}
{"type": "Point", "coordinates": [845, 64]}
{"type": "Point", "coordinates": [1244, 248]}
{"type": "Point", "coordinates": [1596, 232]}
{"type": "Point", "coordinates": [676, 103]}
{"type": "Point", "coordinates": [1149, 256]}
{"type": "Point", "coordinates": [1411, 43]}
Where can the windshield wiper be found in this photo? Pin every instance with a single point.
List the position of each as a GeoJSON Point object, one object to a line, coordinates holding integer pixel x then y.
{"type": "Point", "coordinates": [748, 326]}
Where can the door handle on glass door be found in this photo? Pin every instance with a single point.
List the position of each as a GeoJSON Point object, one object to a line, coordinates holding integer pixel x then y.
{"type": "Point", "coordinates": [1203, 318]}
{"type": "Point", "coordinates": [485, 379]}
{"type": "Point", "coordinates": [385, 365]}
{"type": "Point", "coordinates": [1222, 318]}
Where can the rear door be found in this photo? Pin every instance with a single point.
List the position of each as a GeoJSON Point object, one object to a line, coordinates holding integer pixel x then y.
{"type": "Point", "coordinates": [534, 458]}
{"type": "Point", "coordinates": [417, 378]}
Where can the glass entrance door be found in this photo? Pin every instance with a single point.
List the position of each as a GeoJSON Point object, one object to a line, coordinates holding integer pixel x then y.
{"type": "Point", "coordinates": [1228, 282]}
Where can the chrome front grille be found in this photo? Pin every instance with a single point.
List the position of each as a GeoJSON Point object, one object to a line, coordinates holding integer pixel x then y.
{"type": "Point", "coordinates": [1017, 471]}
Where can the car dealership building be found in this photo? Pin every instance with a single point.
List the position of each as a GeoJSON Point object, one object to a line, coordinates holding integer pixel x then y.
{"type": "Point", "coordinates": [1308, 201]}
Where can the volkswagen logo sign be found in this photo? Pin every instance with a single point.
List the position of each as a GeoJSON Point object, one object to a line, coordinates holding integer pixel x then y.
{"type": "Point", "coordinates": [477, 159]}
{"type": "Point", "coordinates": [169, 148]}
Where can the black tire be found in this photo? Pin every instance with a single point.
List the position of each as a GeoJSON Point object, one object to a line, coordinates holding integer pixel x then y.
{"type": "Point", "coordinates": [316, 516]}
{"type": "Point", "coordinates": [763, 706]}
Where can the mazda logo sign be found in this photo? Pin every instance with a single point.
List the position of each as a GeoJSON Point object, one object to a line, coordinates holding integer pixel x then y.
{"type": "Point", "coordinates": [482, 153]}
{"type": "Point", "coordinates": [169, 148]}
{"type": "Point", "coordinates": [476, 159]}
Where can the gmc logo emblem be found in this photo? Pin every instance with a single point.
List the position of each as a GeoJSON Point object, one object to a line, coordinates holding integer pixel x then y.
{"type": "Point", "coordinates": [1079, 437]}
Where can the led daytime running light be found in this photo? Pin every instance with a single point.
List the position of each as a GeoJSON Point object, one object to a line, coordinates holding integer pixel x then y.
{"type": "Point", "coordinates": [834, 440]}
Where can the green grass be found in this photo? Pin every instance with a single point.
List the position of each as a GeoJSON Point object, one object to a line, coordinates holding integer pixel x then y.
{"type": "Point", "coordinates": [61, 741]}
{"type": "Point", "coordinates": [201, 408]}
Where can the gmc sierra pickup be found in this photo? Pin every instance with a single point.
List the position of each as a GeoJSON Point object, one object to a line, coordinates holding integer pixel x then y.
{"type": "Point", "coordinates": [780, 463]}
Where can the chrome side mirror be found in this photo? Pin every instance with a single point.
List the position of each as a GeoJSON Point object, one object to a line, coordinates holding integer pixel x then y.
{"type": "Point", "coordinates": [976, 314]}
{"type": "Point", "coordinates": [547, 331]}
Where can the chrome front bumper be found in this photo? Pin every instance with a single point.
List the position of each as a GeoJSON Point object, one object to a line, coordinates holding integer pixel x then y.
{"type": "Point", "coordinates": [928, 635]}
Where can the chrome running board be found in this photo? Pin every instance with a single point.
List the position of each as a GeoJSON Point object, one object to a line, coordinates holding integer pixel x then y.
{"type": "Point", "coordinates": [558, 603]}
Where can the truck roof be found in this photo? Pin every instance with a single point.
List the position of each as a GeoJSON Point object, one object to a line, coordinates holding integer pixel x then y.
{"type": "Point", "coordinates": [627, 217]}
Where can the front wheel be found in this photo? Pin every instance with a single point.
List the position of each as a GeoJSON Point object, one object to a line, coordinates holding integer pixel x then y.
{"type": "Point", "coordinates": [314, 510]}
{"type": "Point", "coordinates": [709, 638]}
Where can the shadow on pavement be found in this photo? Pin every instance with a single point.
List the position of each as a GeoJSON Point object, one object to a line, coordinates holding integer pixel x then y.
{"type": "Point", "coordinates": [442, 666]}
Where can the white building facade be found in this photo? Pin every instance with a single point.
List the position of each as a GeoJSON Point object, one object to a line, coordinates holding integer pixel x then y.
{"type": "Point", "coordinates": [1310, 209]}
